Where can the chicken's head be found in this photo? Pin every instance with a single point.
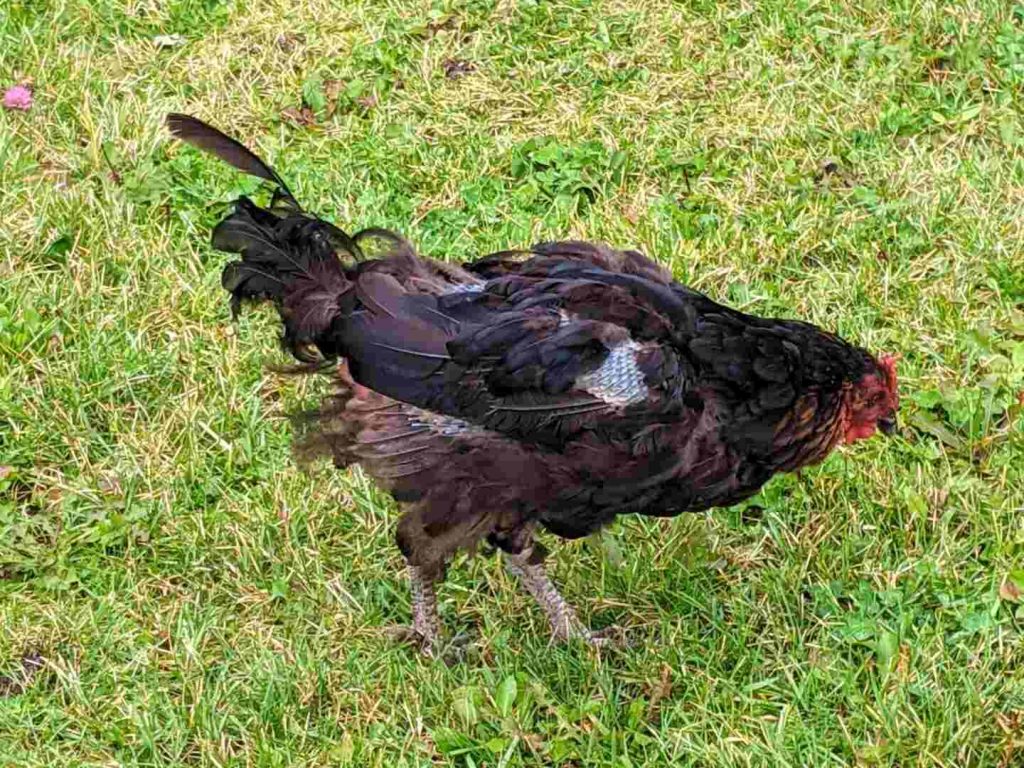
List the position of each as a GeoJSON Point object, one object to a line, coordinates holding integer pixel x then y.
{"type": "Point", "coordinates": [873, 401]}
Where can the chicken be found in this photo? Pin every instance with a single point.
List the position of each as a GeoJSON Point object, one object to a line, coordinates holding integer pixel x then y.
{"type": "Point", "coordinates": [553, 389]}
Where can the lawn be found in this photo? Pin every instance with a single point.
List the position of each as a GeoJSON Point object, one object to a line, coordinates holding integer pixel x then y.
{"type": "Point", "coordinates": [175, 591]}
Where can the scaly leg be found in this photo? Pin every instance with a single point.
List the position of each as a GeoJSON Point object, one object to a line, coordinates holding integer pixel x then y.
{"type": "Point", "coordinates": [565, 624]}
{"type": "Point", "coordinates": [426, 624]}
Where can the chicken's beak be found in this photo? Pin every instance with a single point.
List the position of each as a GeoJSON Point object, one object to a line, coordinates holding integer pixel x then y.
{"type": "Point", "coordinates": [888, 425]}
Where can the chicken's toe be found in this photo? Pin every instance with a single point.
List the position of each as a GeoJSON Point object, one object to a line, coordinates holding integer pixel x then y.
{"type": "Point", "coordinates": [612, 636]}
{"type": "Point", "coordinates": [408, 635]}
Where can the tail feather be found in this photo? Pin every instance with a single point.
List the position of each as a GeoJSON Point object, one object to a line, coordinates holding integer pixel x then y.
{"type": "Point", "coordinates": [301, 263]}
{"type": "Point", "coordinates": [209, 139]}
{"type": "Point", "coordinates": [291, 261]}
{"type": "Point", "coordinates": [288, 257]}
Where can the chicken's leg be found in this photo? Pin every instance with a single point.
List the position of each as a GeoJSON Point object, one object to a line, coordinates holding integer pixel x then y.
{"type": "Point", "coordinates": [565, 624]}
{"type": "Point", "coordinates": [426, 624]}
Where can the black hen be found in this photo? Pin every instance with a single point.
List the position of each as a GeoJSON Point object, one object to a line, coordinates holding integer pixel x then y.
{"type": "Point", "coordinates": [557, 387]}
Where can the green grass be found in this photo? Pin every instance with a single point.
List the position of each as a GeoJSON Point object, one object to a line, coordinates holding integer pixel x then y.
{"type": "Point", "coordinates": [197, 600]}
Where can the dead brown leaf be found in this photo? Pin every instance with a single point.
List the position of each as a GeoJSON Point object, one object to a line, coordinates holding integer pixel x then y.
{"type": "Point", "coordinates": [303, 116]}
{"type": "Point", "coordinates": [659, 691]}
{"type": "Point", "coordinates": [332, 90]}
{"type": "Point", "coordinates": [1009, 590]}
{"type": "Point", "coordinates": [664, 687]}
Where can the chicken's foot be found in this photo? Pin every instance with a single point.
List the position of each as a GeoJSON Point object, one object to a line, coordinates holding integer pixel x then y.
{"type": "Point", "coordinates": [425, 631]}
{"type": "Point", "coordinates": [565, 624]}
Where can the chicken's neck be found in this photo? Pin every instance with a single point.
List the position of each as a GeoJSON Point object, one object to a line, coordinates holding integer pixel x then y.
{"type": "Point", "coordinates": [808, 433]}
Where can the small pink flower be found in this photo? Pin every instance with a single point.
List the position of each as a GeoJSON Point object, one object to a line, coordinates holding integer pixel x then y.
{"type": "Point", "coordinates": [18, 97]}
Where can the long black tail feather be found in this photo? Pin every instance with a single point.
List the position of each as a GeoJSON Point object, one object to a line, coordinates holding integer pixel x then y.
{"type": "Point", "coordinates": [291, 258]}
{"type": "Point", "coordinates": [209, 139]}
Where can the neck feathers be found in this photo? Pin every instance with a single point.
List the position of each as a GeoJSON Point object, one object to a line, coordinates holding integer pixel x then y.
{"type": "Point", "coordinates": [809, 432]}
